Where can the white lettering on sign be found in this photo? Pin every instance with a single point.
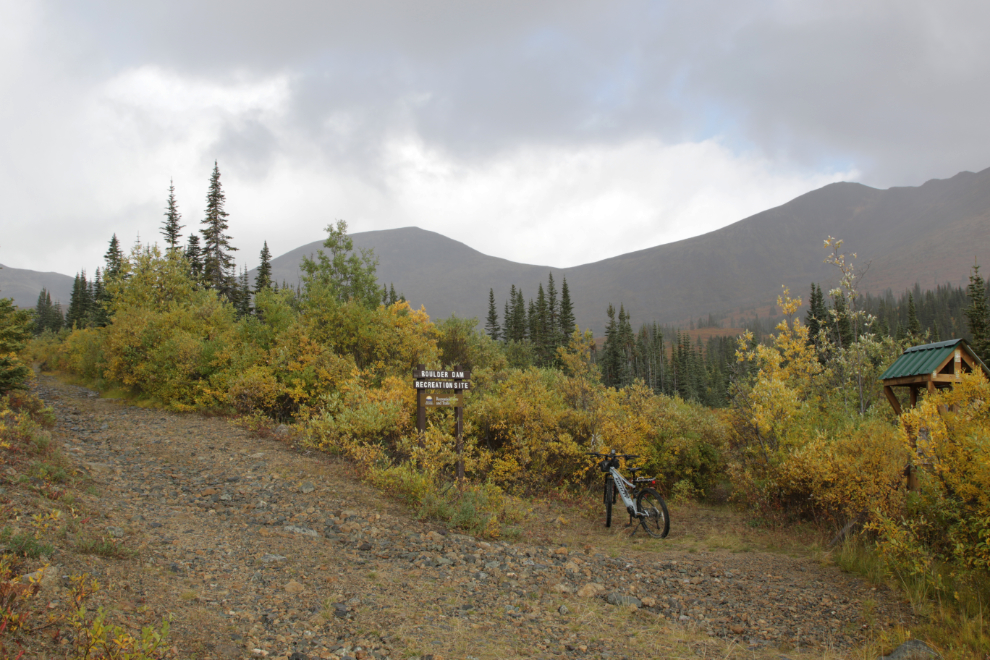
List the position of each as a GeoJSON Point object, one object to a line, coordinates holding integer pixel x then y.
{"type": "Point", "coordinates": [441, 374]}
{"type": "Point", "coordinates": [441, 385]}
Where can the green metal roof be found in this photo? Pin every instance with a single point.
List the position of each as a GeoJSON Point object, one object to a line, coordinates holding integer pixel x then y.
{"type": "Point", "coordinates": [924, 359]}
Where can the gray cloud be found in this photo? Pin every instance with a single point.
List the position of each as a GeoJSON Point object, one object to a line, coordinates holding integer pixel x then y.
{"type": "Point", "coordinates": [376, 104]}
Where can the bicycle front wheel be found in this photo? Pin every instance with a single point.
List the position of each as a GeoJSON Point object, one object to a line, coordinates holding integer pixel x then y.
{"type": "Point", "coordinates": [654, 519]}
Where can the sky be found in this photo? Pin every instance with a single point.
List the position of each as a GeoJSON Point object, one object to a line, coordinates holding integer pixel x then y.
{"type": "Point", "coordinates": [554, 133]}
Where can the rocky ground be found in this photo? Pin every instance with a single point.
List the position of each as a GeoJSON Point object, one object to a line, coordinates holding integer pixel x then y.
{"type": "Point", "coordinates": [258, 549]}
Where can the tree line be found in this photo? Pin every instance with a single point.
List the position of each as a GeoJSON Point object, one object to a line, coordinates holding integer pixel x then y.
{"type": "Point", "coordinates": [209, 257]}
{"type": "Point", "coordinates": [533, 331]}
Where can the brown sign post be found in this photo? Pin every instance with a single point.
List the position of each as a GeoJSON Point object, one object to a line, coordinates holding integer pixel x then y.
{"type": "Point", "coordinates": [442, 388]}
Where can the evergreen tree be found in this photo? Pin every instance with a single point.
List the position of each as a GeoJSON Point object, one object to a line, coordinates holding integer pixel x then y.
{"type": "Point", "coordinates": [843, 327]}
{"type": "Point", "coordinates": [553, 317]}
{"type": "Point", "coordinates": [263, 280]}
{"type": "Point", "coordinates": [978, 314]}
{"type": "Point", "coordinates": [914, 326]}
{"type": "Point", "coordinates": [626, 348]}
{"type": "Point", "coordinates": [815, 317]}
{"type": "Point", "coordinates": [609, 363]}
{"type": "Point", "coordinates": [47, 317]}
{"type": "Point", "coordinates": [15, 330]}
{"type": "Point", "coordinates": [79, 303]}
{"type": "Point", "coordinates": [491, 324]}
{"type": "Point", "coordinates": [99, 315]}
{"type": "Point", "coordinates": [540, 336]}
{"type": "Point", "coordinates": [171, 228]}
{"type": "Point", "coordinates": [194, 255]}
{"type": "Point", "coordinates": [114, 259]}
{"type": "Point", "coordinates": [244, 294]}
{"type": "Point", "coordinates": [392, 296]}
{"type": "Point", "coordinates": [218, 264]}
{"type": "Point", "coordinates": [567, 321]}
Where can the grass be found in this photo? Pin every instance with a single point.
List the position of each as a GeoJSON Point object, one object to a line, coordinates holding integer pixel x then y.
{"type": "Point", "coordinates": [49, 472]}
{"type": "Point", "coordinates": [104, 546]}
{"type": "Point", "coordinates": [954, 615]}
{"type": "Point", "coordinates": [25, 545]}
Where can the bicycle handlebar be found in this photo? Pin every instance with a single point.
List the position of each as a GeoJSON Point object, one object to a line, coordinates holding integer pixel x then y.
{"type": "Point", "coordinates": [612, 454]}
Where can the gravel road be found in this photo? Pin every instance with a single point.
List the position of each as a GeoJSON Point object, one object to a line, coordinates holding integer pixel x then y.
{"type": "Point", "coordinates": [259, 549]}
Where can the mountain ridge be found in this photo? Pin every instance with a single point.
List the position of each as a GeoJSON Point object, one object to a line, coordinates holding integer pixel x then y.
{"type": "Point", "coordinates": [928, 234]}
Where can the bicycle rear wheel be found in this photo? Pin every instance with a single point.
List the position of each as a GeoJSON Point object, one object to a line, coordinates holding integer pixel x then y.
{"type": "Point", "coordinates": [656, 520]}
{"type": "Point", "coordinates": [609, 499]}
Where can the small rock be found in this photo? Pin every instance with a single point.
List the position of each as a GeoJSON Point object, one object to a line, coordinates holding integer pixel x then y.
{"type": "Point", "coordinates": [737, 629]}
{"type": "Point", "coordinates": [913, 649]}
{"type": "Point", "coordinates": [560, 551]}
{"type": "Point", "coordinates": [268, 558]}
{"type": "Point", "coordinates": [590, 590]}
{"type": "Point", "coordinates": [298, 656]}
{"type": "Point", "coordinates": [365, 546]}
{"type": "Point", "coordinates": [684, 617]}
{"type": "Point", "coordinates": [563, 609]}
{"type": "Point", "coordinates": [562, 589]}
{"type": "Point", "coordinates": [281, 431]}
{"type": "Point", "coordinates": [115, 532]}
{"type": "Point", "coordinates": [307, 487]}
{"type": "Point", "coordinates": [300, 530]}
{"type": "Point", "coordinates": [649, 602]}
{"type": "Point", "coordinates": [294, 587]}
{"type": "Point", "coordinates": [617, 598]}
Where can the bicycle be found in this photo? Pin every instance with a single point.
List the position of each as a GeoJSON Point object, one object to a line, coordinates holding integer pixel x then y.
{"type": "Point", "coordinates": [642, 500]}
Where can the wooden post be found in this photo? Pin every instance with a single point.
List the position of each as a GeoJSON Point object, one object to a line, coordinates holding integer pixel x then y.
{"type": "Point", "coordinates": [421, 409]}
{"type": "Point", "coordinates": [914, 395]}
{"type": "Point", "coordinates": [459, 428]}
{"type": "Point", "coordinates": [892, 398]}
{"type": "Point", "coordinates": [931, 385]}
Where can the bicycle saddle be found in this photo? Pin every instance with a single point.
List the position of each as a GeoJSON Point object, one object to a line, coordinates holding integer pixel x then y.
{"type": "Point", "coordinates": [634, 469]}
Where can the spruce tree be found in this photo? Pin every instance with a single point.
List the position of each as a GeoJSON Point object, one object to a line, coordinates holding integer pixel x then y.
{"type": "Point", "coordinates": [79, 303]}
{"type": "Point", "coordinates": [978, 314]}
{"type": "Point", "coordinates": [43, 312]}
{"type": "Point", "coordinates": [114, 260]}
{"type": "Point", "coordinates": [813, 320]}
{"type": "Point", "coordinates": [553, 316]}
{"type": "Point", "coordinates": [566, 314]}
{"type": "Point", "coordinates": [99, 314]}
{"type": "Point", "coordinates": [171, 229]}
{"type": "Point", "coordinates": [194, 255]}
{"type": "Point", "coordinates": [491, 324]}
{"type": "Point", "coordinates": [244, 294]}
{"type": "Point", "coordinates": [843, 327]}
{"type": "Point", "coordinates": [541, 335]}
{"type": "Point", "coordinates": [263, 280]}
{"type": "Point", "coordinates": [609, 364]}
{"type": "Point", "coordinates": [218, 264]}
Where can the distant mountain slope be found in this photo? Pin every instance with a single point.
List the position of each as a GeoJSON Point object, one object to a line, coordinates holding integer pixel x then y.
{"type": "Point", "coordinates": [24, 286]}
{"type": "Point", "coordinates": [929, 234]}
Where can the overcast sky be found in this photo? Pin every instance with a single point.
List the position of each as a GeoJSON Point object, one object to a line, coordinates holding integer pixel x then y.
{"type": "Point", "coordinates": [551, 133]}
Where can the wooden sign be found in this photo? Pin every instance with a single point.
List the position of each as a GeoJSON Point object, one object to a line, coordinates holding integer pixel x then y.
{"type": "Point", "coordinates": [451, 384]}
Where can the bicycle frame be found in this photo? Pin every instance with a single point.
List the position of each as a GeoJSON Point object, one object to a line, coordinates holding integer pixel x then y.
{"type": "Point", "coordinates": [621, 483]}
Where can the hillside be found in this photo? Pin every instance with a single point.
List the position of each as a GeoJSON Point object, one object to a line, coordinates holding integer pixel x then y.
{"type": "Point", "coordinates": [24, 286]}
{"type": "Point", "coordinates": [929, 234]}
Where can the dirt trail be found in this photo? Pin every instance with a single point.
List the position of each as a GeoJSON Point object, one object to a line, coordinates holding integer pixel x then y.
{"type": "Point", "coordinates": [257, 549]}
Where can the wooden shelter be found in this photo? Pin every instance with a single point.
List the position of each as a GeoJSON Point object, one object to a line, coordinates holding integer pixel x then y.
{"type": "Point", "coordinates": [931, 366]}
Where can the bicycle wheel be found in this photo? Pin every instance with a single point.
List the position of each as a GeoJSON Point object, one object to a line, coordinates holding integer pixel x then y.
{"type": "Point", "coordinates": [609, 499]}
{"type": "Point", "coordinates": [656, 522]}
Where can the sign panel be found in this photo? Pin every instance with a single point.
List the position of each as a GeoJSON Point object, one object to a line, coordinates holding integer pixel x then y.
{"type": "Point", "coordinates": [441, 375]}
{"type": "Point", "coordinates": [434, 400]}
{"type": "Point", "coordinates": [442, 385]}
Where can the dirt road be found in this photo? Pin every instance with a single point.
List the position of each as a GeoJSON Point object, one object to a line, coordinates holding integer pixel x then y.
{"type": "Point", "coordinates": [257, 549]}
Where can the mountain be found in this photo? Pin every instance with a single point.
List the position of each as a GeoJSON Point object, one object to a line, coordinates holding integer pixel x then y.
{"type": "Point", "coordinates": [24, 286]}
{"type": "Point", "coordinates": [929, 234]}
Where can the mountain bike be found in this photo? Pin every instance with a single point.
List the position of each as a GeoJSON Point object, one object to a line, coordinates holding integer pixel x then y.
{"type": "Point", "coordinates": [642, 500]}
